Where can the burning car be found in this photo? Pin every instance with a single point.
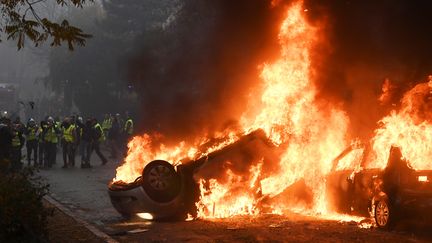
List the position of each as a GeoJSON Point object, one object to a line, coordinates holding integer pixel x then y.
{"type": "Point", "coordinates": [385, 194]}
{"type": "Point", "coordinates": [165, 191]}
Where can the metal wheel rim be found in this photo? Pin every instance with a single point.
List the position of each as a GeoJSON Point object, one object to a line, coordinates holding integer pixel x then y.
{"type": "Point", "coordinates": [159, 177]}
{"type": "Point", "coordinates": [382, 213]}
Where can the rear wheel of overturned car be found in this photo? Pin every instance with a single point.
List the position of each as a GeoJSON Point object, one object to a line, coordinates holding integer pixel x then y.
{"type": "Point", "coordinates": [383, 214]}
{"type": "Point", "coordinates": [160, 181]}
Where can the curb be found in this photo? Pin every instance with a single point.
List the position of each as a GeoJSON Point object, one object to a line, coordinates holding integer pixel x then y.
{"type": "Point", "coordinates": [87, 225]}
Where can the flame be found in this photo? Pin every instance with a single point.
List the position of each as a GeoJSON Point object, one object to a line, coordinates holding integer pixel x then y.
{"type": "Point", "coordinates": [222, 200]}
{"type": "Point", "coordinates": [387, 92]}
{"type": "Point", "coordinates": [141, 151]}
{"type": "Point", "coordinates": [312, 134]}
{"type": "Point", "coordinates": [410, 128]}
{"type": "Point", "coordinates": [291, 115]}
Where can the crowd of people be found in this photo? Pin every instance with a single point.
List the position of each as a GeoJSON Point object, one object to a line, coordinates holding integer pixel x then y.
{"type": "Point", "coordinates": [73, 135]}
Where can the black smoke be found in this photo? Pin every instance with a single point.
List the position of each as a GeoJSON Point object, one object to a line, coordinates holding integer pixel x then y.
{"type": "Point", "coordinates": [194, 77]}
{"type": "Point", "coordinates": [368, 41]}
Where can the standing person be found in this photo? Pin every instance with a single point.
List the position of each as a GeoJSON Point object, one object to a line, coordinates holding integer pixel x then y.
{"type": "Point", "coordinates": [114, 136]}
{"type": "Point", "coordinates": [79, 126]}
{"type": "Point", "coordinates": [107, 124]}
{"type": "Point", "coordinates": [31, 133]}
{"type": "Point", "coordinates": [97, 138]}
{"type": "Point", "coordinates": [128, 126]}
{"type": "Point", "coordinates": [127, 131]}
{"type": "Point", "coordinates": [86, 143]}
{"type": "Point", "coordinates": [68, 142]}
{"type": "Point", "coordinates": [19, 125]}
{"type": "Point", "coordinates": [17, 144]}
{"type": "Point", "coordinates": [58, 123]}
{"type": "Point", "coordinates": [6, 136]}
{"type": "Point", "coordinates": [51, 141]}
{"type": "Point", "coordinates": [77, 137]}
{"type": "Point", "coordinates": [41, 141]}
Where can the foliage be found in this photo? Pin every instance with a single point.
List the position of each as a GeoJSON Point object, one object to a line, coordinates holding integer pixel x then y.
{"type": "Point", "coordinates": [20, 19]}
{"type": "Point", "coordinates": [94, 79]}
{"type": "Point", "coordinates": [23, 218]}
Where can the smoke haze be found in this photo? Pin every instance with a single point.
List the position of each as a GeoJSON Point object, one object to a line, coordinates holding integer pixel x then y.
{"type": "Point", "coordinates": [198, 76]}
{"type": "Point", "coordinates": [369, 41]}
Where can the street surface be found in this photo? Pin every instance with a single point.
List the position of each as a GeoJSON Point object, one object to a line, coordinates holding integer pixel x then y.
{"type": "Point", "coordinates": [84, 192]}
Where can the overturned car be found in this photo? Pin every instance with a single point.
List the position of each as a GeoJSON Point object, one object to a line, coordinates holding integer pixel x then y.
{"type": "Point", "coordinates": [165, 191]}
{"type": "Point", "coordinates": [387, 195]}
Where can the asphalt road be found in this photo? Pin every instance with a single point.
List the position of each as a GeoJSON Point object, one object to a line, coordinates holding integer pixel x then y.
{"type": "Point", "coordinates": [84, 192]}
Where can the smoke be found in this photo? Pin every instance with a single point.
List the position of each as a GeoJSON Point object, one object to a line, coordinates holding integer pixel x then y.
{"type": "Point", "coordinates": [367, 42]}
{"type": "Point", "coordinates": [195, 76]}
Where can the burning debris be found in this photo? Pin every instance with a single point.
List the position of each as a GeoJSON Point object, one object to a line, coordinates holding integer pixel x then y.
{"type": "Point", "coordinates": [282, 154]}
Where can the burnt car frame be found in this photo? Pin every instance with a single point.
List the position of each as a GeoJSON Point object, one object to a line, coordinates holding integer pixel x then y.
{"type": "Point", "coordinates": [387, 195]}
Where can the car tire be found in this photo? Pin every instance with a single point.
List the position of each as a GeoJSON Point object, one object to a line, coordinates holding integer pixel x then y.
{"type": "Point", "coordinates": [383, 214]}
{"type": "Point", "coordinates": [160, 181]}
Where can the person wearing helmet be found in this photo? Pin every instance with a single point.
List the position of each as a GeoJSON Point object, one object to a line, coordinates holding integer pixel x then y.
{"type": "Point", "coordinates": [107, 124]}
{"type": "Point", "coordinates": [31, 132]}
{"type": "Point", "coordinates": [6, 136]}
{"type": "Point", "coordinates": [86, 143]}
{"type": "Point", "coordinates": [97, 138]}
{"type": "Point", "coordinates": [41, 142]}
{"type": "Point", "coordinates": [114, 136]}
{"type": "Point", "coordinates": [80, 144]}
{"type": "Point", "coordinates": [51, 141]}
{"type": "Point", "coordinates": [68, 142]}
{"type": "Point", "coordinates": [17, 145]}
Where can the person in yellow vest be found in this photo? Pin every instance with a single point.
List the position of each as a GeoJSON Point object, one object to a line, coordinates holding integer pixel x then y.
{"type": "Point", "coordinates": [31, 133]}
{"type": "Point", "coordinates": [17, 144]}
{"type": "Point", "coordinates": [41, 142]}
{"type": "Point", "coordinates": [51, 141]}
{"type": "Point", "coordinates": [58, 123]}
{"type": "Point", "coordinates": [68, 142]}
{"type": "Point", "coordinates": [97, 138]}
{"type": "Point", "coordinates": [114, 137]}
{"type": "Point", "coordinates": [127, 131]}
{"type": "Point", "coordinates": [107, 124]}
{"type": "Point", "coordinates": [128, 126]}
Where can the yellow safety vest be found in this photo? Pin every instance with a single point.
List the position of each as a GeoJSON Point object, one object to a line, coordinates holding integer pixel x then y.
{"type": "Point", "coordinates": [51, 136]}
{"type": "Point", "coordinates": [16, 142]}
{"type": "Point", "coordinates": [68, 134]}
{"type": "Point", "coordinates": [32, 134]}
{"type": "Point", "coordinates": [107, 124]}
{"type": "Point", "coordinates": [130, 129]}
{"type": "Point", "coordinates": [40, 133]}
{"type": "Point", "coordinates": [102, 137]}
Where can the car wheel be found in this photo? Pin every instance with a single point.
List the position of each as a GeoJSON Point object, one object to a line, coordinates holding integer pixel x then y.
{"type": "Point", "coordinates": [160, 181]}
{"type": "Point", "coordinates": [383, 214]}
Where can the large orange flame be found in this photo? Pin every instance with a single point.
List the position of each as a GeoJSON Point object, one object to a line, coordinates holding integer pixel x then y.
{"type": "Point", "coordinates": [410, 129]}
{"type": "Point", "coordinates": [310, 132]}
{"type": "Point", "coordinates": [313, 133]}
{"type": "Point", "coordinates": [290, 114]}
